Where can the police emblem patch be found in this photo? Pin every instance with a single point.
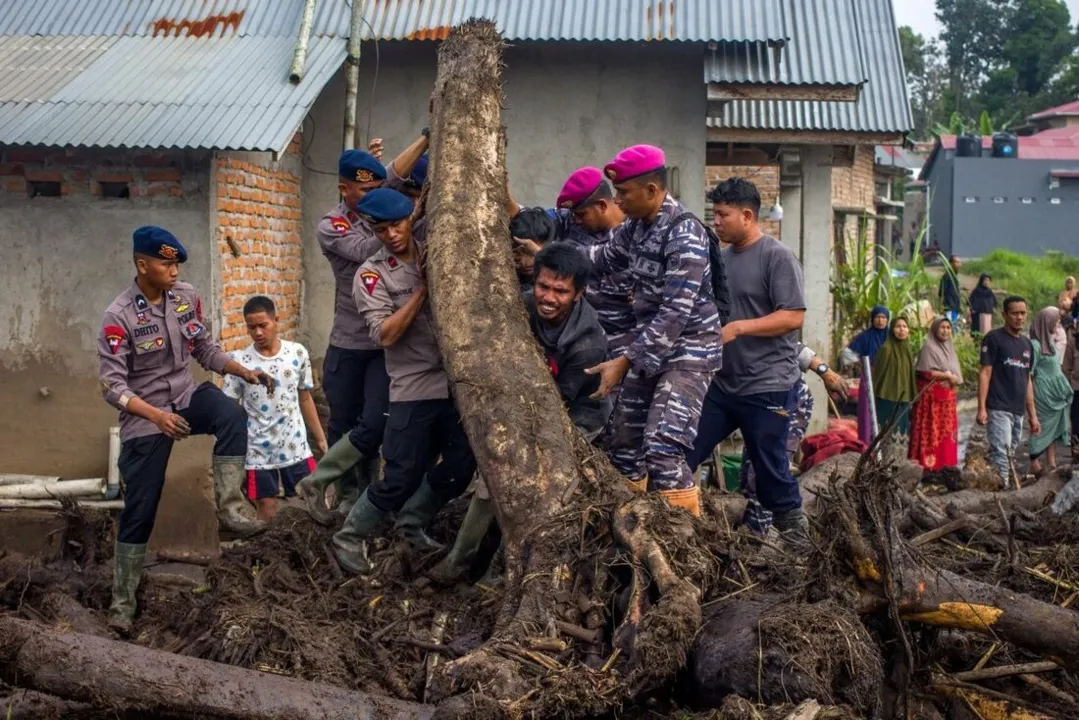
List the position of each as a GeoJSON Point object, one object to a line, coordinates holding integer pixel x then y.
{"type": "Point", "coordinates": [183, 307]}
{"type": "Point", "coordinates": [194, 329]}
{"type": "Point", "coordinates": [611, 173]}
{"type": "Point", "coordinates": [370, 279]}
{"type": "Point", "coordinates": [114, 335]}
{"type": "Point", "coordinates": [567, 204]}
{"type": "Point", "coordinates": [151, 344]}
{"type": "Point", "coordinates": [392, 262]}
{"type": "Point", "coordinates": [364, 176]}
{"type": "Point", "coordinates": [142, 318]}
{"type": "Point", "coordinates": [340, 224]}
{"type": "Point", "coordinates": [141, 303]}
{"type": "Point", "coordinates": [168, 252]}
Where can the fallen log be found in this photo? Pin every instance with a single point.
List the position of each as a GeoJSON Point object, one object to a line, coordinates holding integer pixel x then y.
{"type": "Point", "coordinates": [112, 674]}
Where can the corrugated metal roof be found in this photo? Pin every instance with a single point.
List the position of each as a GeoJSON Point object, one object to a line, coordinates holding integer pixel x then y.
{"type": "Point", "coordinates": [882, 107]}
{"type": "Point", "coordinates": [35, 67]}
{"type": "Point", "coordinates": [627, 20]}
{"type": "Point", "coordinates": [154, 92]}
{"type": "Point", "coordinates": [830, 54]}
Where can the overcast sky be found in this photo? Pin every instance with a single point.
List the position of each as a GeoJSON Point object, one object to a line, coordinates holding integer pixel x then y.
{"type": "Point", "coordinates": [921, 15]}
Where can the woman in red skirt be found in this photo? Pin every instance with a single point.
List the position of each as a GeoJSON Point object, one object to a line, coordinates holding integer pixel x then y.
{"type": "Point", "coordinates": [934, 432]}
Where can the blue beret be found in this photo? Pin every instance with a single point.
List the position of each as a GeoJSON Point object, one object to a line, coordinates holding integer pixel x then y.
{"type": "Point", "coordinates": [159, 243]}
{"type": "Point", "coordinates": [360, 166]}
{"type": "Point", "coordinates": [419, 173]}
{"type": "Point", "coordinates": [384, 205]}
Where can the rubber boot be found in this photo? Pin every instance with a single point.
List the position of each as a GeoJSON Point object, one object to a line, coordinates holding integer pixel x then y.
{"type": "Point", "coordinates": [793, 526]}
{"type": "Point", "coordinates": [126, 574]}
{"type": "Point", "coordinates": [417, 514]}
{"type": "Point", "coordinates": [229, 479]}
{"type": "Point", "coordinates": [337, 461]}
{"type": "Point", "coordinates": [689, 499]}
{"type": "Point", "coordinates": [455, 566]}
{"type": "Point", "coordinates": [350, 542]}
{"type": "Point", "coordinates": [638, 486]}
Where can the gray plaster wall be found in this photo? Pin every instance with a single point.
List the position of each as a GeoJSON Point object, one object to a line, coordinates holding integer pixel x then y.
{"type": "Point", "coordinates": [63, 260]}
{"type": "Point", "coordinates": [567, 105]}
{"type": "Point", "coordinates": [978, 206]}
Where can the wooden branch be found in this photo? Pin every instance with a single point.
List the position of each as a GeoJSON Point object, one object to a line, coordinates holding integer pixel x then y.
{"type": "Point", "coordinates": [120, 675]}
{"type": "Point", "coordinates": [1005, 671]}
{"type": "Point", "coordinates": [944, 530]}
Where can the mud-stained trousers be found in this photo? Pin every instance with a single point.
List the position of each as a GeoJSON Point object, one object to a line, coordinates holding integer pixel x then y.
{"type": "Point", "coordinates": [654, 425]}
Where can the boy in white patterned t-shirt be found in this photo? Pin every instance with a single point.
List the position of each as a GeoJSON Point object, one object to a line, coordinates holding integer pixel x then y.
{"type": "Point", "coordinates": [278, 455]}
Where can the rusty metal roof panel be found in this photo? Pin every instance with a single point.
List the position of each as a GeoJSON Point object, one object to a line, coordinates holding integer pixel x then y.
{"type": "Point", "coordinates": [625, 20]}
{"type": "Point", "coordinates": [142, 91]}
{"type": "Point", "coordinates": [823, 49]}
{"type": "Point", "coordinates": [882, 107]}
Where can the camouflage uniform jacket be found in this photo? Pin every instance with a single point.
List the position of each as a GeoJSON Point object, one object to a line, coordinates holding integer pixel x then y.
{"type": "Point", "coordinates": [611, 296]}
{"type": "Point", "coordinates": [677, 321]}
{"type": "Point", "coordinates": [142, 352]}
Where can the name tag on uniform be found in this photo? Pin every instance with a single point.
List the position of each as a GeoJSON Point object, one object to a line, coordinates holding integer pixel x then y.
{"type": "Point", "coordinates": [644, 266]}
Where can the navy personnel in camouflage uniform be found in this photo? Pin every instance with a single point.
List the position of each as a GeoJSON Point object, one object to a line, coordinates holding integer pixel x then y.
{"type": "Point", "coordinates": [147, 335]}
{"type": "Point", "coordinates": [666, 368]}
{"type": "Point", "coordinates": [423, 423]}
{"type": "Point", "coordinates": [755, 390]}
{"type": "Point", "coordinates": [354, 371]}
{"type": "Point", "coordinates": [588, 216]}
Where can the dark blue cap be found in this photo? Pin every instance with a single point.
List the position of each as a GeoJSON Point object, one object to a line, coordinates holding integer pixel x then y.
{"type": "Point", "coordinates": [158, 242]}
{"type": "Point", "coordinates": [384, 205]}
{"type": "Point", "coordinates": [419, 173]}
{"type": "Point", "coordinates": [360, 166]}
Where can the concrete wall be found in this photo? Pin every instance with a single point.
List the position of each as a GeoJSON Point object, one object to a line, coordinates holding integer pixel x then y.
{"type": "Point", "coordinates": [64, 260]}
{"type": "Point", "coordinates": [567, 105]}
{"type": "Point", "coordinates": [939, 198]}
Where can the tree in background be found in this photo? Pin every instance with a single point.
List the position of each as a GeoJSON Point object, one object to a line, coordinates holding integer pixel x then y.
{"type": "Point", "coordinates": [1006, 58]}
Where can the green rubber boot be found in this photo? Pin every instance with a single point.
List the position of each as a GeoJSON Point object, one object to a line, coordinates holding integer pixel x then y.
{"type": "Point", "coordinates": [458, 562]}
{"type": "Point", "coordinates": [229, 479]}
{"type": "Point", "coordinates": [337, 461]}
{"type": "Point", "coordinates": [125, 583]}
{"type": "Point", "coordinates": [350, 542]}
{"type": "Point", "coordinates": [355, 482]}
{"type": "Point", "coordinates": [793, 526]}
{"type": "Point", "coordinates": [417, 514]}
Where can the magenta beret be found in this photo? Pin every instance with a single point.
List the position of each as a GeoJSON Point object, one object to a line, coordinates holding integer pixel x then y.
{"type": "Point", "coordinates": [634, 161]}
{"type": "Point", "coordinates": [579, 187]}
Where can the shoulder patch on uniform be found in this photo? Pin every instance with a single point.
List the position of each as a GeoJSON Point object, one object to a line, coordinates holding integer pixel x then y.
{"type": "Point", "coordinates": [392, 262]}
{"type": "Point", "coordinates": [370, 279]}
{"type": "Point", "coordinates": [140, 302]}
{"type": "Point", "coordinates": [114, 335]}
{"type": "Point", "coordinates": [340, 224]}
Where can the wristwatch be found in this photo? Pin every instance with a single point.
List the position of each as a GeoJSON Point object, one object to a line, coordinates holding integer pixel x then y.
{"type": "Point", "coordinates": [821, 369]}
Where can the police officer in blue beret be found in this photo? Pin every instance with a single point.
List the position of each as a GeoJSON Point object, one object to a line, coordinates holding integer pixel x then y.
{"type": "Point", "coordinates": [146, 337]}
{"type": "Point", "coordinates": [423, 423]}
{"type": "Point", "coordinates": [354, 369]}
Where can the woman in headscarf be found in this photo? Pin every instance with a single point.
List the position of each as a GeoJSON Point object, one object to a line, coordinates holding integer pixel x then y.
{"type": "Point", "coordinates": [866, 344]}
{"type": "Point", "coordinates": [1066, 297]}
{"type": "Point", "coordinates": [983, 303]}
{"type": "Point", "coordinates": [1052, 392]}
{"type": "Point", "coordinates": [893, 382]}
{"type": "Point", "coordinates": [934, 431]}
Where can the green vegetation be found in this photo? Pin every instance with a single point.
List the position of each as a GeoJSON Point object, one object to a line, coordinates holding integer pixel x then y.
{"type": "Point", "coordinates": [1038, 279]}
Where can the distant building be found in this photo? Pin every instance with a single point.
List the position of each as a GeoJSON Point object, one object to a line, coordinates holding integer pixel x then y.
{"type": "Point", "coordinates": [1029, 203]}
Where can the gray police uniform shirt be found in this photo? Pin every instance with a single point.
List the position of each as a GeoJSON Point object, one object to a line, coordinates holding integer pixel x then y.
{"type": "Point", "coordinates": [347, 242]}
{"type": "Point", "coordinates": [142, 352]}
{"type": "Point", "coordinates": [764, 278]}
{"type": "Point", "coordinates": [677, 321]}
{"type": "Point", "coordinates": [383, 285]}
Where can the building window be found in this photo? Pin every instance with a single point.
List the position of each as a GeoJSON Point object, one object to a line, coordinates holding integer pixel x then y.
{"type": "Point", "coordinates": [115, 190]}
{"type": "Point", "coordinates": [43, 188]}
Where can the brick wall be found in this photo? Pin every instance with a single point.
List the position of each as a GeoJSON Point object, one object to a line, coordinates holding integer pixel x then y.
{"type": "Point", "coordinates": [259, 241]}
{"type": "Point", "coordinates": [140, 176]}
{"type": "Point", "coordinates": [853, 187]}
{"type": "Point", "coordinates": [765, 177]}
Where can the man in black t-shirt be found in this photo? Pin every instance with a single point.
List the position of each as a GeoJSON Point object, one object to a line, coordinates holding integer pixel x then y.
{"type": "Point", "coordinates": [1005, 389]}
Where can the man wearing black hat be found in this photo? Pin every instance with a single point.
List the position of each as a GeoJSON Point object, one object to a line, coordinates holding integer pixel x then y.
{"type": "Point", "coordinates": [354, 370]}
{"type": "Point", "coordinates": [391, 292]}
{"type": "Point", "coordinates": [147, 335]}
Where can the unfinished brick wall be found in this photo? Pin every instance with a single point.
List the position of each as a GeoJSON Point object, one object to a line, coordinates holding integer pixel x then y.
{"type": "Point", "coordinates": [853, 188]}
{"type": "Point", "coordinates": [259, 239]}
{"type": "Point", "coordinates": [142, 177]}
{"type": "Point", "coordinates": [765, 177]}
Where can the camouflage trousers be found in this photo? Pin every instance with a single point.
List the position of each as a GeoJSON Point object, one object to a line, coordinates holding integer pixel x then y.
{"type": "Point", "coordinates": [654, 426]}
{"type": "Point", "coordinates": [757, 518]}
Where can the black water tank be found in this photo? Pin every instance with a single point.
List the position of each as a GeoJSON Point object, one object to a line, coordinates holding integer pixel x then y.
{"type": "Point", "coordinates": [968, 145]}
{"type": "Point", "coordinates": [1005, 145]}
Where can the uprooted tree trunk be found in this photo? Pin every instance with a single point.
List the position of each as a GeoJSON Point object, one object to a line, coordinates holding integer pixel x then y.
{"type": "Point", "coordinates": [106, 673]}
{"type": "Point", "coordinates": [538, 469]}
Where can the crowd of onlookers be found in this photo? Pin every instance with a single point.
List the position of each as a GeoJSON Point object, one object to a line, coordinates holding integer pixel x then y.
{"type": "Point", "coordinates": [1028, 379]}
